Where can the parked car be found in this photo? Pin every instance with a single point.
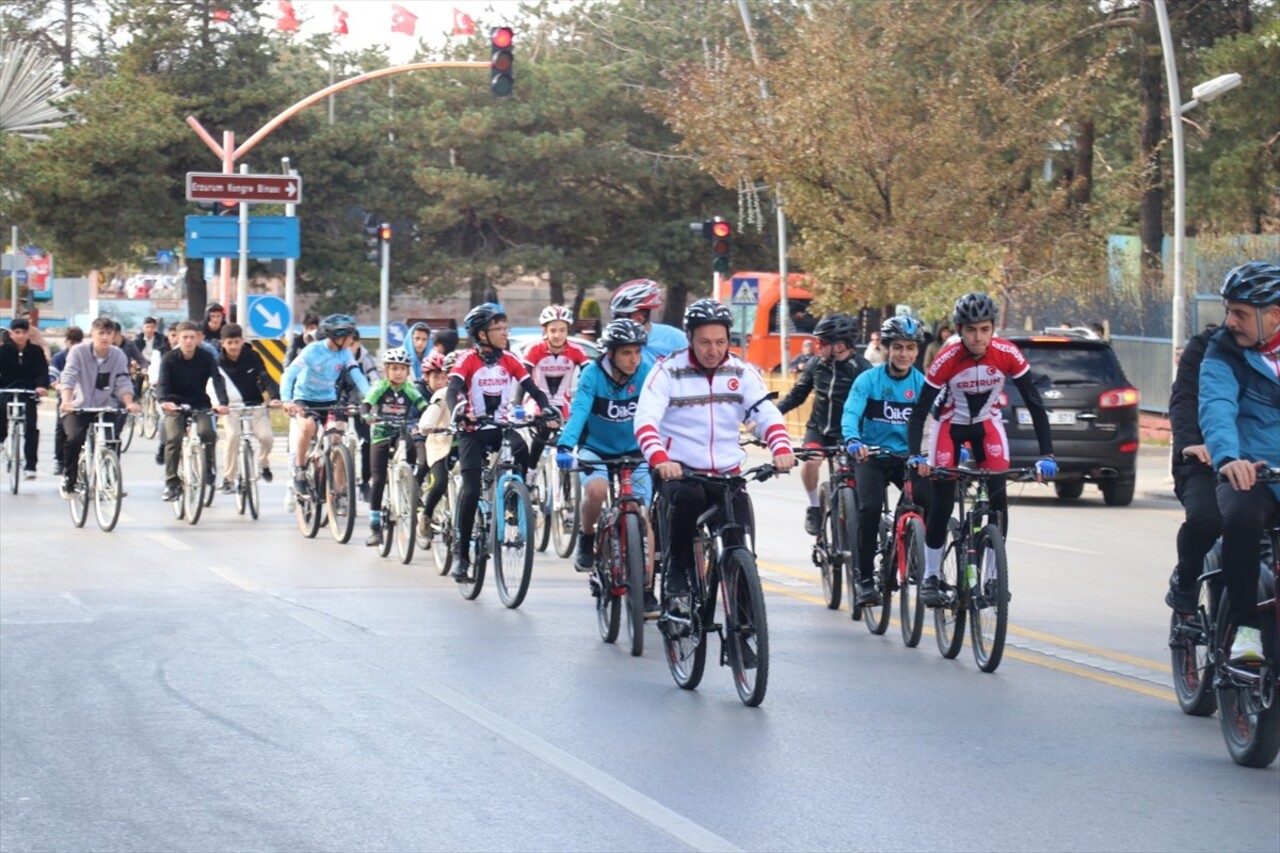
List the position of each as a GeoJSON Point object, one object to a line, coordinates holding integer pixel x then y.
{"type": "Point", "coordinates": [1093, 413]}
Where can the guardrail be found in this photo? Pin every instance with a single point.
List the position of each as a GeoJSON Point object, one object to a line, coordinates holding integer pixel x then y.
{"type": "Point", "coordinates": [1148, 364]}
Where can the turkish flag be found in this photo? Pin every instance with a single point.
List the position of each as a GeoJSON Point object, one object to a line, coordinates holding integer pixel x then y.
{"type": "Point", "coordinates": [286, 20]}
{"type": "Point", "coordinates": [221, 16]}
{"type": "Point", "coordinates": [462, 24]}
{"type": "Point", "coordinates": [402, 20]}
{"type": "Point", "coordinates": [340, 22]}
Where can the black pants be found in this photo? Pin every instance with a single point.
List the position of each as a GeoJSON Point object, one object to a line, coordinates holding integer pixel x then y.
{"type": "Point", "coordinates": [378, 455]}
{"type": "Point", "coordinates": [473, 449]}
{"type": "Point", "coordinates": [1196, 487]}
{"type": "Point", "coordinates": [942, 498]}
{"type": "Point", "coordinates": [437, 482]}
{"type": "Point", "coordinates": [59, 439]}
{"type": "Point", "coordinates": [77, 426]}
{"type": "Point", "coordinates": [31, 441]}
{"type": "Point", "coordinates": [683, 501]}
{"type": "Point", "coordinates": [872, 476]}
{"type": "Point", "coordinates": [366, 459]}
{"type": "Point", "coordinates": [539, 441]}
{"type": "Point", "coordinates": [1243, 516]}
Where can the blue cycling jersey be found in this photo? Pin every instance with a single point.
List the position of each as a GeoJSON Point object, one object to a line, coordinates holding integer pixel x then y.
{"type": "Point", "coordinates": [879, 406]}
{"type": "Point", "coordinates": [602, 412]}
{"type": "Point", "coordinates": [313, 375]}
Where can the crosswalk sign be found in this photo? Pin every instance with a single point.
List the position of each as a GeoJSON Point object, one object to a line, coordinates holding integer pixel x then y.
{"type": "Point", "coordinates": [746, 291]}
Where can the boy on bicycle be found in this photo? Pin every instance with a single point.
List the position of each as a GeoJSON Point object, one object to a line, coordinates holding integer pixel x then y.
{"type": "Point", "coordinates": [973, 369]}
{"type": "Point", "coordinates": [637, 300]}
{"type": "Point", "coordinates": [23, 365]}
{"type": "Point", "coordinates": [248, 384]}
{"type": "Point", "coordinates": [554, 362]}
{"type": "Point", "coordinates": [185, 373]}
{"type": "Point", "coordinates": [876, 413]}
{"type": "Point", "coordinates": [437, 447]}
{"type": "Point", "coordinates": [483, 381]}
{"type": "Point", "coordinates": [94, 373]}
{"type": "Point", "coordinates": [601, 426]}
{"type": "Point", "coordinates": [689, 412]}
{"type": "Point", "coordinates": [392, 396]}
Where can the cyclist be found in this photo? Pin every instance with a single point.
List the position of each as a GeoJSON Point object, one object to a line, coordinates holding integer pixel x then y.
{"type": "Point", "coordinates": [554, 362]}
{"type": "Point", "coordinates": [347, 391]}
{"type": "Point", "coordinates": [215, 317]}
{"type": "Point", "coordinates": [1240, 416]}
{"type": "Point", "coordinates": [689, 412]}
{"type": "Point", "coordinates": [95, 372]}
{"type": "Point", "coordinates": [23, 365]}
{"type": "Point", "coordinates": [637, 300]}
{"type": "Point", "coordinates": [247, 381]}
{"type": "Point", "coordinates": [1194, 481]}
{"type": "Point", "coordinates": [438, 447]}
{"type": "Point", "coordinates": [972, 369]}
{"type": "Point", "coordinates": [72, 336]}
{"type": "Point", "coordinates": [601, 426]}
{"type": "Point", "coordinates": [483, 380]}
{"type": "Point", "coordinates": [150, 342]}
{"type": "Point", "coordinates": [390, 397]}
{"type": "Point", "coordinates": [828, 377]}
{"type": "Point", "coordinates": [185, 373]}
{"type": "Point", "coordinates": [876, 412]}
{"type": "Point", "coordinates": [311, 380]}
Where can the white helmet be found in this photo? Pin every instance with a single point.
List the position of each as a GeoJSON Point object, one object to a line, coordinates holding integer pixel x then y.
{"type": "Point", "coordinates": [555, 312]}
{"type": "Point", "coordinates": [397, 355]}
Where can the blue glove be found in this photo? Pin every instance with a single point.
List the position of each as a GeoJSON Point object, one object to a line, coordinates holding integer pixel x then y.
{"type": "Point", "coordinates": [517, 413]}
{"type": "Point", "coordinates": [1047, 468]}
{"type": "Point", "coordinates": [854, 447]}
{"type": "Point", "coordinates": [565, 460]}
{"type": "Point", "coordinates": [913, 461]}
{"type": "Point", "coordinates": [965, 455]}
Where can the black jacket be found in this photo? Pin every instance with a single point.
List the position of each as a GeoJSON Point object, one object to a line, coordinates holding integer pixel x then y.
{"type": "Point", "coordinates": [184, 380]}
{"type": "Point", "coordinates": [832, 381]}
{"type": "Point", "coordinates": [160, 347]}
{"type": "Point", "coordinates": [249, 375]}
{"type": "Point", "coordinates": [25, 368]}
{"type": "Point", "coordinates": [1184, 399]}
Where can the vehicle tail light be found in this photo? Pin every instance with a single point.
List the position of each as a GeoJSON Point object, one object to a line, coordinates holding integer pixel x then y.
{"type": "Point", "coordinates": [1119, 398]}
{"type": "Point", "coordinates": [1129, 447]}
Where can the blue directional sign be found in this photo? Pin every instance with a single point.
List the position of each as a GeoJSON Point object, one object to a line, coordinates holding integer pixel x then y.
{"type": "Point", "coordinates": [269, 316]}
{"type": "Point", "coordinates": [219, 237]}
{"type": "Point", "coordinates": [164, 256]}
{"type": "Point", "coordinates": [396, 333]}
{"type": "Point", "coordinates": [746, 291]}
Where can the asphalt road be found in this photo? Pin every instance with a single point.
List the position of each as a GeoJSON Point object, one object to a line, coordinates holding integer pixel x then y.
{"type": "Point", "coordinates": [233, 686]}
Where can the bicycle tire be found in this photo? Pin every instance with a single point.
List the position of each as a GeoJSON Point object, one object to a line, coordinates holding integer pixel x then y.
{"type": "Point", "coordinates": [1191, 653]}
{"type": "Point", "coordinates": [876, 616]}
{"type": "Point", "coordinates": [78, 501]}
{"type": "Point", "coordinates": [195, 485]}
{"type": "Point", "coordinates": [470, 587]}
{"type": "Point", "coordinates": [16, 441]}
{"type": "Point", "coordinates": [829, 563]}
{"type": "Point", "coordinates": [207, 493]}
{"type": "Point", "coordinates": [126, 434]}
{"type": "Point", "coordinates": [388, 515]}
{"type": "Point", "coordinates": [307, 509]}
{"type": "Point", "coordinates": [442, 529]}
{"type": "Point", "coordinates": [406, 513]}
{"type": "Point", "coordinates": [340, 498]}
{"type": "Point", "coordinates": [106, 491]}
{"type": "Point", "coordinates": [608, 602]}
{"type": "Point", "coordinates": [910, 609]}
{"type": "Point", "coordinates": [564, 530]}
{"type": "Point", "coordinates": [542, 506]}
{"type": "Point", "coordinates": [949, 619]}
{"type": "Point", "coordinates": [242, 502]}
{"type": "Point", "coordinates": [513, 543]}
{"type": "Point", "coordinates": [989, 609]}
{"type": "Point", "coordinates": [746, 626]}
{"type": "Point", "coordinates": [847, 547]}
{"type": "Point", "coordinates": [150, 415]}
{"type": "Point", "coordinates": [1251, 730]}
{"type": "Point", "coordinates": [249, 469]}
{"type": "Point", "coordinates": [633, 559]}
{"type": "Point", "coordinates": [686, 651]}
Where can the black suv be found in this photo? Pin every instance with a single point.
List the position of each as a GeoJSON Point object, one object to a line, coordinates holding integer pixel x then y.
{"type": "Point", "coordinates": [1093, 413]}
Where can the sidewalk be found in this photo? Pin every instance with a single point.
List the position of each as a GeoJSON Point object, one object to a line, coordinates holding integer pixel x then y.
{"type": "Point", "coordinates": [1154, 482]}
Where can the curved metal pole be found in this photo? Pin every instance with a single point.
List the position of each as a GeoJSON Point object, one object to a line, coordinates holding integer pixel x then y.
{"type": "Point", "coordinates": [1177, 330]}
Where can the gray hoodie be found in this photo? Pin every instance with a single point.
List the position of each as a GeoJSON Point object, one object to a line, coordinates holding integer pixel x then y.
{"type": "Point", "coordinates": [96, 383]}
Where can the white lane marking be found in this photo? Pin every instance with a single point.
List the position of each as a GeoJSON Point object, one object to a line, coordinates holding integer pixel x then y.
{"type": "Point", "coordinates": [233, 577]}
{"type": "Point", "coordinates": [676, 825]}
{"type": "Point", "coordinates": [1056, 547]}
{"type": "Point", "coordinates": [170, 542]}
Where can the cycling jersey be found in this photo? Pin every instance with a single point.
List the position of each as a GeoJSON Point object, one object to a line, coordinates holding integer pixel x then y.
{"type": "Point", "coordinates": [663, 340]}
{"type": "Point", "coordinates": [555, 373]}
{"type": "Point", "coordinates": [879, 408]}
{"type": "Point", "coordinates": [313, 375]}
{"type": "Point", "coordinates": [490, 383]}
{"type": "Point", "coordinates": [603, 411]}
{"type": "Point", "coordinates": [390, 401]}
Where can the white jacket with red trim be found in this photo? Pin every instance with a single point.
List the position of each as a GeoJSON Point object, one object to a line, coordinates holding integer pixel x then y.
{"type": "Point", "coordinates": [690, 415]}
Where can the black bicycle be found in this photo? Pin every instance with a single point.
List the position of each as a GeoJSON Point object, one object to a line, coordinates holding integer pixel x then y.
{"type": "Point", "coordinates": [724, 555]}
{"type": "Point", "coordinates": [835, 549]}
{"type": "Point", "coordinates": [622, 556]}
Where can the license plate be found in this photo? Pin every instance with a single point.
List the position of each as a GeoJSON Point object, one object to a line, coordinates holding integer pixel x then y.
{"type": "Point", "coordinates": [1057, 417]}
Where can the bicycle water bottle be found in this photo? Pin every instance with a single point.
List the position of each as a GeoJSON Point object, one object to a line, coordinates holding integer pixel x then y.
{"type": "Point", "coordinates": [517, 413]}
{"type": "Point", "coordinates": [971, 576]}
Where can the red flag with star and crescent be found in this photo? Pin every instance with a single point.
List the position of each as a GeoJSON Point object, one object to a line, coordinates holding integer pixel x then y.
{"type": "Point", "coordinates": [462, 24]}
{"type": "Point", "coordinates": [340, 22]}
{"type": "Point", "coordinates": [402, 20]}
{"type": "Point", "coordinates": [286, 18]}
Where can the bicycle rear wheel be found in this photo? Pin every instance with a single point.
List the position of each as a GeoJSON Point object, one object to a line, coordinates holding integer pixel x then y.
{"type": "Point", "coordinates": [307, 509]}
{"type": "Point", "coordinates": [78, 501]}
{"type": "Point", "coordinates": [1250, 727]}
{"type": "Point", "coordinates": [686, 645]}
{"type": "Point", "coordinates": [389, 525]}
{"type": "Point", "coordinates": [107, 491]}
{"type": "Point", "coordinates": [16, 443]}
{"type": "Point", "coordinates": [126, 433]}
{"type": "Point", "coordinates": [513, 542]}
{"type": "Point", "coordinates": [1191, 653]}
{"type": "Point", "coordinates": [150, 415]}
{"type": "Point", "coordinates": [470, 587]}
{"type": "Point", "coordinates": [564, 526]}
{"type": "Point", "coordinates": [340, 483]}
{"type": "Point", "coordinates": [441, 523]}
{"type": "Point", "coordinates": [249, 476]}
{"type": "Point", "coordinates": [633, 559]}
{"type": "Point", "coordinates": [406, 506]}
{"type": "Point", "coordinates": [949, 619]}
{"type": "Point", "coordinates": [830, 559]}
{"type": "Point", "coordinates": [608, 602]}
{"type": "Point", "coordinates": [989, 616]}
{"type": "Point", "coordinates": [746, 628]}
{"type": "Point", "coordinates": [544, 480]}
{"type": "Point", "coordinates": [910, 609]}
{"type": "Point", "coordinates": [876, 616]}
{"type": "Point", "coordinates": [194, 486]}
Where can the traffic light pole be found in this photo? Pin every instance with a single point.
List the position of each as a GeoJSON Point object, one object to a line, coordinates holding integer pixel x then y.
{"type": "Point", "coordinates": [384, 297]}
{"type": "Point", "coordinates": [242, 275]}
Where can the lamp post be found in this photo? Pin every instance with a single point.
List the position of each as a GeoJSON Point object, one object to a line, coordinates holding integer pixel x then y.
{"type": "Point", "coordinates": [1203, 93]}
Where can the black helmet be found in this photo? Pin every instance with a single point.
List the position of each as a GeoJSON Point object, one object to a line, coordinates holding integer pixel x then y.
{"type": "Point", "coordinates": [836, 327]}
{"type": "Point", "coordinates": [901, 329]}
{"type": "Point", "coordinates": [707, 311]}
{"type": "Point", "coordinates": [337, 326]}
{"type": "Point", "coordinates": [1255, 283]}
{"type": "Point", "coordinates": [974, 308]}
{"type": "Point", "coordinates": [479, 318]}
{"type": "Point", "coordinates": [621, 332]}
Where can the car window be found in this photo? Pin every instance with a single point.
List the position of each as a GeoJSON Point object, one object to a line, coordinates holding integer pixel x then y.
{"type": "Point", "coordinates": [1072, 365]}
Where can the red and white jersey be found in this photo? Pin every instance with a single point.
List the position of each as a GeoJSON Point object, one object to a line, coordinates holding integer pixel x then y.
{"type": "Point", "coordinates": [972, 386]}
{"type": "Point", "coordinates": [556, 373]}
{"type": "Point", "coordinates": [489, 387]}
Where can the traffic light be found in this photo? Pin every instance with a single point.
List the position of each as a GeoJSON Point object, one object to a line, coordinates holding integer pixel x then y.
{"type": "Point", "coordinates": [721, 235]}
{"type": "Point", "coordinates": [219, 208]}
{"type": "Point", "coordinates": [501, 63]}
{"type": "Point", "coordinates": [384, 233]}
{"type": "Point", "coordinates": [372, 239]}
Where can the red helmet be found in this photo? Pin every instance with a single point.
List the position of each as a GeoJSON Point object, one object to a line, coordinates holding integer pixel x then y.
{"type": "Point", "coordinates": [434, 361]}
{"type": "Point", "coordinates": [640, 294]}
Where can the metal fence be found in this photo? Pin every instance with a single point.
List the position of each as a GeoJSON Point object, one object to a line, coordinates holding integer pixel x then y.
{"type": "Point", "coordinates": [1148, 364]}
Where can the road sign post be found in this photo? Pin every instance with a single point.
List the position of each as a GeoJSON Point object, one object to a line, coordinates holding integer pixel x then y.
{"type": "Point", "coordinates": [246, 188]}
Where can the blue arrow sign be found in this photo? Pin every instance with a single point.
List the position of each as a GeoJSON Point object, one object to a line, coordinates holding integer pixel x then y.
{"type": "Point", "coordinates": [219, 237]}
{"type": "Point", "coordinates": [746, 291]}
{"type": "Point", "coordinates": [396, 333]}
{"type": "Point", "coordinates": [269, 316]}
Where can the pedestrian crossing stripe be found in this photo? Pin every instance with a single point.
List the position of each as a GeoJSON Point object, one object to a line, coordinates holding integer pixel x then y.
{"type": "Point", "coordinates": [272, 351]}
{"type": "Point", "coordinates": [744, 291]}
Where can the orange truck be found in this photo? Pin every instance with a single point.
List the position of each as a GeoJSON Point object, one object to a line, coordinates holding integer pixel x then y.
{"type": "Point", "coordinates": [756, 330]}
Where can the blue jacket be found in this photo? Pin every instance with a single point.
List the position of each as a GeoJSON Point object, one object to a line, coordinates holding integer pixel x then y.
{"type": "Point", "coordinates": [1239, 404]}
{"type": "Point", "coordinates": [415, 363]}
{"type": "Point", "coordinates": [878, 408]}
{"type": "Point", "coordinates": [602, 411]}
{"type": "Point", "coordinates": [313, 375]}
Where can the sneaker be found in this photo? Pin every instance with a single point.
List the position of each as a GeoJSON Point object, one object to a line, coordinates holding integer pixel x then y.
{"type": "Point", "coordinates": [461, 567]}
{"type": "Point", "coordinates": [265, 474]}
{"type": "Point", "coordinates": [424, 527]}
{"type": "Point", "coordinates": [171, 493]}
{"type": "Point", "coordinates": [584, 559]}
{"type": "Point", "coordinates": [29, 474]}
{"type": "Point", "coordinates": [58, 469]}
{"type": "Point", "coordinates": [160, 455]}
{"type": "Point", "coordinates": [931, 593]}
{"type": "Point", "coordinates": [226, 488]}
{"type": "Point", "coordinates": [867, 593]}
{"type": "Point", "coordinates": [375, 537]}
{"type": "Point", "coordinates": [210, 477]}
{"type": "Point", "coordinates": [299, 483]}
{"type": "Point", "coordinates": [813, 520]}
{"type": "Point", "coordinates": [1247, 646]}
{"type": "Point", "coordinates": [651, 606]}
{"type": "Point", "coordinates": [677, 583]}
{"type": "Point", "coordinates": [66, 488]}
{"type": "Point", "coordinates": [1179, 601]}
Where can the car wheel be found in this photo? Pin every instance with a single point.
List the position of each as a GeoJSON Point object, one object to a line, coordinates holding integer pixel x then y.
{"type": "Point", "coordinates": [1069, 490]}
{"type": "Point", "coordinates": [1118, 492]}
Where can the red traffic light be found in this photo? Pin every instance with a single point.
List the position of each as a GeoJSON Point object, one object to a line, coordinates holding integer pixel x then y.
{"type": "Point", "coordinates": [720, 230]}
{"type": "Point", "coordinates": [502, 37]}
{"type": "Point", "coordinates": [384, 233]}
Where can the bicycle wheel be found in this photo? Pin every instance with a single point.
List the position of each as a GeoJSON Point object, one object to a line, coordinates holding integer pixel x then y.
{"type": "Point", "coordinates": [847, 547]}
{"type": "Point", "coordinates": [1250, 725]}
{"type": "Point", "coordinates": [479, 548]}
{"type": "Point", "coordinates": [150, 415]}
{"type": "Point", "coordinates": [78, 502]}
{"type": "Point", "coordinates": [949, 619]}
{"type": "Point", "coordinates": [544, 481]}
{"type": "Point", "coordinates": [633, 558]}
{"type": "Point", "coordinates": [910, 610]}
{"type": "Point", "coordinates": [1191, 653]}
{"type": "Point", "coordinates": [746, 627]}
{"type": "Point", "coordinates": [829, 556]}
{"type": "Point", "coordinates": [340, 498]}
{"type": "Point", "coordinates": [126, 434]}
{"type": "Point", "coordinates": [876, 616]}
{"type": "Point", "coordinates": [388, 514]}
{"type": "Point", "coordinates": [406, 506]}
{"type": "Point", "coordinates": [195, 485]}
{"type": "Point", "coordinates": [249, 474]}
{"type": "Point", "coordinates": [16, 439]}
{"type": "Point", "coordinates": [441, 522]}
{"type": "Point", "coordinates": [608, 602]}
{"type": "Point", "coordinates": [564, 527]}
{"type": "Point", "coordinates": [686, 646]}
{"type": "Point", "coordinates": [989, 608]}
{"type": "Point", "coordinates": [513, 542]}
{"type": "Point", "coordinates": [107, 491]}
{"type": "Point", "coordinates": [308, 509]}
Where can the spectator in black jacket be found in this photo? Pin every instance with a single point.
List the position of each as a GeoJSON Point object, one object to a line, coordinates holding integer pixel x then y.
{"type": "Point", "coordinates": [1194, 481]}
{"type": "Point", "coordinates": [215, 317]}
{"type": "Point", "coordinates": [184, 374]}
{"type": "Point", "coordinates": [23, 365]}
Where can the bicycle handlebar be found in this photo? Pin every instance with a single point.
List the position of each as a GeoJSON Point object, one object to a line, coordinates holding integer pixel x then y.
{"type": "Point", "coordinates": [610, 465]}
{"type": "Point", "coordinates": [1264, 475]}
{"type": "Point", "coordinates": [759, 474]}
{"type": "Point", "coordinates": [981, 474]}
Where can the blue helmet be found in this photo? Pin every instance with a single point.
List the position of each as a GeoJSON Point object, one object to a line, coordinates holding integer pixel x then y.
{"type": "Point", "coordinates": [1254, 283]}
{"type": "Point", "coordinates": [479, 318]}
{"type": "Point", "coordinates": [901, 329]}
